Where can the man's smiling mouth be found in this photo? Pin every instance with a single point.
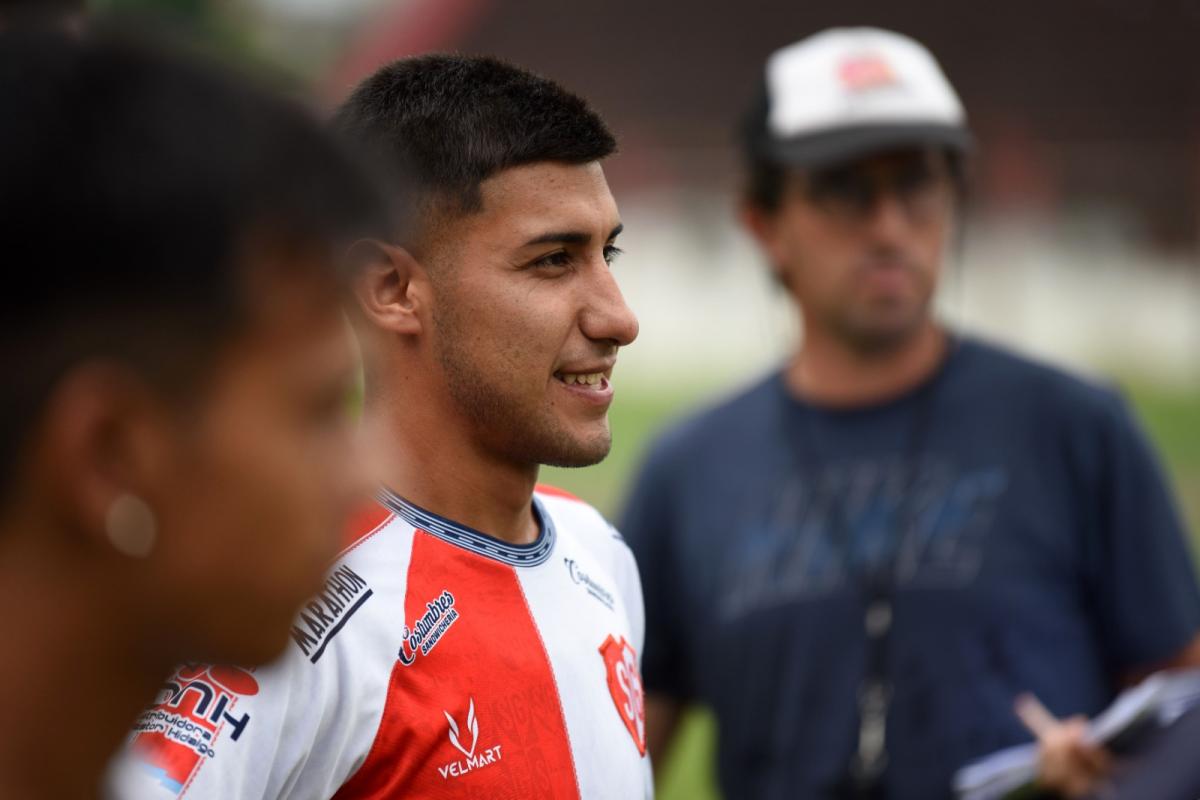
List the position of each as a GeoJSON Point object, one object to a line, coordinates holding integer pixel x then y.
{"type": "Point", "coordinates": [581, 378]}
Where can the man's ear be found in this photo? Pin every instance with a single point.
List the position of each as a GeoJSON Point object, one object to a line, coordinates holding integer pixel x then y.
{"type": "Point", "coordinates": [763, 227]}
{"type": "Point", "coordinates": [102, 437]}
{"type": "Point", "coordinates": [390, 286]}
{"type": "Point", "coordinates": [756, 222]}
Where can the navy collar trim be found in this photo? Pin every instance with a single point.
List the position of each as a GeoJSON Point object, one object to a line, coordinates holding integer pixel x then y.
{"type": "Point", "coordinates": [517, 555]}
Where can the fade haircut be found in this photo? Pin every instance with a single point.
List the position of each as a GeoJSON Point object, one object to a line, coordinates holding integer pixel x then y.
{"type": "Point", "coordinates": [138, 192]}
{"type": "Point", "coordinates": [436, 126]}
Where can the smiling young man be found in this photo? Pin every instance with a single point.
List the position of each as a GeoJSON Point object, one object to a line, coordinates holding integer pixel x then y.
{"type": "Point", "coordinates": [478, 637]}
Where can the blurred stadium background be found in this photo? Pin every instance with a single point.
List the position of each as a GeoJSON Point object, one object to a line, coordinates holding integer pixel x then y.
{"type": "Point", "coordinates": [1082, 241]}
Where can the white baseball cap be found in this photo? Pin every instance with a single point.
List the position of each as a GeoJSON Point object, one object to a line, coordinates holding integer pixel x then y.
{"type": "Point", "coordinates": [848, 92]}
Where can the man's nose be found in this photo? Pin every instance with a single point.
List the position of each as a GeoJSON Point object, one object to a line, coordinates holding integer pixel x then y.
{"type": "Point", "coordinates": [607, 317]}
{"type": "Point", "coordinates": [888, 215]}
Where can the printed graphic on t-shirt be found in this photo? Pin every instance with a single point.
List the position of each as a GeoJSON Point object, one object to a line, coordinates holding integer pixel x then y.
{"type": "Point", "coordinates": [925, 522]}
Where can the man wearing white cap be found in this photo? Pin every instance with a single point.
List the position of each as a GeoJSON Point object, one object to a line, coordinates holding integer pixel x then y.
{"type": "Point", "coordinates": [863, 560]}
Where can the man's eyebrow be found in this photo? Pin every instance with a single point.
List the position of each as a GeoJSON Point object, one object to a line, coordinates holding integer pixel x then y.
{"type": "Point", "coordinates": [570, 237]}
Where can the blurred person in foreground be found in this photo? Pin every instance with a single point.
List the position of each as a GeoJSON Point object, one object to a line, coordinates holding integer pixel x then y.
{"type": "Point", "coordinates": [479, 636]}
{"type": "Point", "coordinates": [860, 562]}
{"type": "Point", "coordinates": [175, 453]}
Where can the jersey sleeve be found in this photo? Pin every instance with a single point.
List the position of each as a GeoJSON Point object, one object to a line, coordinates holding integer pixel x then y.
{"type": "Point", "coordinates": [650, 528]}
{"type": "Point", "coordinates": [629, 584]}
{"type": "Point", "coordinates": [1143, 582]}
{"type": "Point", "coordinates": [225, 733]}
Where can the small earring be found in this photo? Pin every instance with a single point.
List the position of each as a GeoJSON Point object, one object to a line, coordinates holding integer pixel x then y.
{"type": "Point", "coordinates": [131, 526]}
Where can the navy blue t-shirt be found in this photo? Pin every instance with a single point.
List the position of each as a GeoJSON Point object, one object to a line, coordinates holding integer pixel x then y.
{"type": "Point", "coordinates": [1026, 529]}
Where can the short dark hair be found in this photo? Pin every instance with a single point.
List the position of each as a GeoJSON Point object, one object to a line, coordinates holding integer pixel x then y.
{"type": "Point", "coordinates": [437, 126]}
{"type": "Point", "coordinates": [132, 185]}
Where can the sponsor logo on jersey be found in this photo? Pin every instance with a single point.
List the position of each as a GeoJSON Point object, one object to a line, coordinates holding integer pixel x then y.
{"type": "Point", "coordinates": [319, 621]}
{"type": "Point", "coordinates": [193, 708]}
{"type": "Point", "coordinates": [593, 587]}
{"type": "Point", "coordinates": [424, 634]}
{"type": "Point", "coordinates": [625, 685]}
{"type": "Point", "coordinates": [466, 741]}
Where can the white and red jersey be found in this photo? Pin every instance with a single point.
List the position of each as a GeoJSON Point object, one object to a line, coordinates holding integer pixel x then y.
{"type": "Point", "coordinates": [439, 662]}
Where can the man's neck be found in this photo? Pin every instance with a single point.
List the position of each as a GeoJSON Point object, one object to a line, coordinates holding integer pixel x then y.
{"type": "Point", "coordinates": [433, 462]}
{"type": "Point", "coordinates": [829, 372]}
{"type": "Point", "coordinates": [76, 676]}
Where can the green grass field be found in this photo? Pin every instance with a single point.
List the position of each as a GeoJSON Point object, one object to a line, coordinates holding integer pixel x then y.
{"type": "Point", "coordinates": [1172, 418]}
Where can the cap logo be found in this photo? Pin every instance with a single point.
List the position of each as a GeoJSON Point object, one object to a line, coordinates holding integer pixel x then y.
{"type": "Point", "coordinates": [866, 71]}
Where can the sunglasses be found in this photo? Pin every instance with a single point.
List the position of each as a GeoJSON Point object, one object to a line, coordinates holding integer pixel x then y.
{"type": "Point", "coordinates": [922, 188]}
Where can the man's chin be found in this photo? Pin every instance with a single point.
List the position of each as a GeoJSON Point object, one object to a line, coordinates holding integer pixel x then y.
{"type": "Point", "coordinates": [882, 336]}
{"type": "Point", "coordinates": [578, 452]}
{"type": "Point", "coordinates": [581, 457]}
{"type": "Point", "coordinates": [549, 440]}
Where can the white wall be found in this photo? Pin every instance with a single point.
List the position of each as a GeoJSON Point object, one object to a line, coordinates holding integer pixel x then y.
{"type": "Point", "coordinates": [1080, 297]}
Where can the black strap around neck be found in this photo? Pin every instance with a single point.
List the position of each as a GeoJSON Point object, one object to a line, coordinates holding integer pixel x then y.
{"type": "Point", "coordinates": [863, 778]}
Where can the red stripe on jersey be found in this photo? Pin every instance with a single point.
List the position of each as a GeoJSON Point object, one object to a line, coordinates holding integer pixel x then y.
{"type": "Point", "coordinates": [362, 523]}
{"type": "Point", "coordinates": [554, 491]}
{"type": "Point", "coordinates": [477, 713]}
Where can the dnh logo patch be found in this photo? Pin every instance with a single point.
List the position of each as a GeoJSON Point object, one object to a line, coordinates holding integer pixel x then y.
{"type": "Point", "coordinates": [173, 738]}
{"type": "Point", "coordinates": [625, 685]}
